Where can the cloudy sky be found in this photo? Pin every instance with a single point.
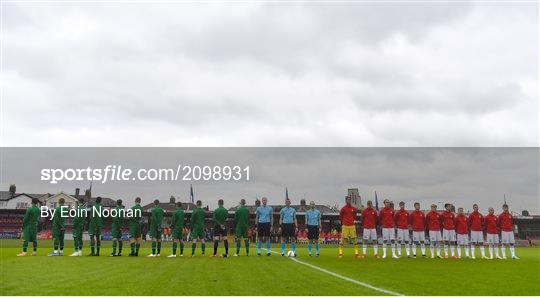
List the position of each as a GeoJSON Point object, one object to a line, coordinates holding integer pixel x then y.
{"type": "Point", "coordinates": [270, 74]}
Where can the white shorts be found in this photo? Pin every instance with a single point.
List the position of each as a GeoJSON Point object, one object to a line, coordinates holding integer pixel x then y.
{"type": "Point", "coordinates": [370, 234]}
{"type": "Point", "coordinates": [388, 234]}
{"type": "Point", "coordinates": [434, 236]}
{"type": "Point", "coordinates": [419, 236]}
{"type": "Point", "coordinates": [403, 235]}
{"type": "Point", "coordinates": [477, 237]}
{"type": "Point", "coordinates": [507, 237]}
{"type": "Point", "coordinates": [449, 235]}
{"type": "Point", "coordinates": [463, 239]}
{"type": "Point", "coordinates": [493, 238]}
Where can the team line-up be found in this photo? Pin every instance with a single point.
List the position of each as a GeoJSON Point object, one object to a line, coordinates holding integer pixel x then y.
{"type": "Point", "coordinates": [458, 230]}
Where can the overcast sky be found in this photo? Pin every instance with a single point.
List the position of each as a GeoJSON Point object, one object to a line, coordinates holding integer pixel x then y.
{"type": "Point", "coordinates": [270, 74]}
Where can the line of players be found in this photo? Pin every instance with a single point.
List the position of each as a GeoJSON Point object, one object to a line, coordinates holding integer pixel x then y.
{"type": "Point", "coordinates": [386, 218]}
{"type": "Point", "coordinates": [458, 230]}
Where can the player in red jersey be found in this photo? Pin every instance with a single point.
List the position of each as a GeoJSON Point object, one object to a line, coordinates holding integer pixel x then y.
{"type": "Point", "coordinates": [386, 219]}
{"type": "Point", "coordinates": [462, 230]}
{"type": "Point", "coordinates": [369, 223]}
{"type": "Point", "coordinates": [402, 218]}
{"type": "Point", "coordinates": [449, 232]}
{"type": "Point", "coordinates": [418, 224]}
{"type": "Point", "coordinates": [476, 224]}
{"type": "Point", "coordinates": [433, 221]}
{"type": "Point", "coordinates": [492, 230]}
{"type": "Point", "coordinates": [347, 216]}
{"type": "Point", "coordinates": [507, 232]}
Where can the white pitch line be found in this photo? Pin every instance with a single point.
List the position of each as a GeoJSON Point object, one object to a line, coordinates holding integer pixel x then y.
{"type": "Point", "coordinates": [344, 277]}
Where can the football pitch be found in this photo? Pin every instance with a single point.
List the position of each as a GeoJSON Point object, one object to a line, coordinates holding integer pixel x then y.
{"type": "Point", "coordinates": [253, 275]}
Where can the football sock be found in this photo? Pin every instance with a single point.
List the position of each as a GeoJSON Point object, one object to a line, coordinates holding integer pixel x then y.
{"type": "Point", "coordinates": [432, 248]}
{"type": "Point", "coordinates": [491, 251]}
{"type": "Point", "coordinates": [512, 251]}
{"type": "Point", "coordinates": [364, 248]}
{"type": "Point", "coordinates": [375, 249]}
{"type": "Point", "coordinates": [34, 244]}
{"type": "Point", "coordinates": [459, 250]}
{"type": "Point", "coordinates": [293, 245]}
{"type": "Point", "coordinates": [408, 249]}
{"type": "Point", "coordinates": [238, 244]}
{"type": "Point", "coordinates": [283, 248]}
{"type": "Point", "coordinates": [309, 247]}
{"type": "Point", "coordinates": [193, 246]}
{"type": "Point", "coordinates": [153, 247]}
{"type": "Point", "coordinates": [340, 249]}
{"type": "Point", "coordinates": [246, 241]}
{"type": "Point", "coordinates": [159, 247]}
{"type": "Point", "coordinates": [259, 247]}
{"type": "Point", "coordinates": [268, 246]}
{"type": "Point", "coordinates": [503, 251]}
{"type": "Point", "coordinates": [114, 247]}
{"type": "Point", "coordinates": [317, 248]}
{"type": "Point", "coordinates": [482, 250]}
{"type": "Point", "coordinates": [452, 250]}
{"type": "Point", "coordinates": [215, 246]}
{"type": "Point", "coordinates": [181, 247]}
{"type": "Point", "coordinates": [203, 247]}
{"type": "Point", "coordinates": [445, 250]}
{"type": "Point", "coordinates": [132, 246]}
{"type": "Point", "coordinates": [414, 248]}
{"type": "Point", "coordinates": [98, 245]}
{"type": "Point", "coordinates": [384, 249]}
{"type": "Point", "coordinates": [25, 246]}
{"type": "Point", "coordinates": [393, 247]}
{"type": "Point", "coordinates": [466, 251]}
{"type": "Point", "coordinates": [55, 244]}
{"type": "Point", "coordinates": [399, 249]}
{"type": "Point", "coordinates": [496, 248]}
{"type": "Point", "coordinates": [423, 248]}
{"type": "Point", "coordinates": [438, 250]}
{"type": "Point", "coordinates": [120, 246]}
{"type": "Point", "coordinates": [137, 247]}
{"type": "Point", "coordinates": [174, 247]}
{"type": "Point", "coordinates": [226, 244]}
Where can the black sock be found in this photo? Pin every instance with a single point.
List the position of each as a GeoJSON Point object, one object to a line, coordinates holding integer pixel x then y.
{"type": "Point", "coordinates": [159, 247]}
{"type": "Point", "coordinates": [215, 246]}
{"type": "Point", "coordinates": [120, 247]}
{"type": "Point", "coordinates": [226, 244]}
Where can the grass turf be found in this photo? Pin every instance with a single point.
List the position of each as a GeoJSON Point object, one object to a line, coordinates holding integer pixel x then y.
{"type": "Point", "coordinates": [263, 275]}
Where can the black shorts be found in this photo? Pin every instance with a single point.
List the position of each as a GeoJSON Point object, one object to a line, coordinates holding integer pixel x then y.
{"type": "Point", "coordinates": [288, 230]}
{"type": "Point", "coordinates": [263, 229]}
{"type": "Point", "coordinates": [313, 232]}
{"type": "Point", "coordinates": [218, 231]}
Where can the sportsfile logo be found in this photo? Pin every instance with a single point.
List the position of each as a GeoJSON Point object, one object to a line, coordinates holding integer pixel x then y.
{"type": "Point", "coordinates": [118, 173]}
{"type": "Point", "coordinates": [72, 212]}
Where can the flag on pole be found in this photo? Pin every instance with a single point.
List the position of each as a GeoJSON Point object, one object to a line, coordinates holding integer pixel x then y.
{"type": "Point", "coordinates": [376, 201]}
{"type": "Point", "coordinates": [286, 193]}
{"type": "Point", "coordinates": [504, 199]}
{"type": "Point", "coordinates": [191, 196]}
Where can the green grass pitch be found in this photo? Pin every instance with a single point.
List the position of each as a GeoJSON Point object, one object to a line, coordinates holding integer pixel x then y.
{"type": "Point", "coordinates": [274, 275]}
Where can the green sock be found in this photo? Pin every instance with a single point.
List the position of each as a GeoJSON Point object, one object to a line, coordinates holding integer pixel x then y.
{"type": "Point", "coordinates": [181, 248]}
{"type": "Point", "coordinates": [238, 246]}
{"type": "Point", "coordinates": [203, 246]}
{"type": "Point", "coordinates": [120, 247]}
{"type": "Point", "coordinates": [35, 246]}
{"type": "Point", "coordinates": [132, 245]}
{"type": "Point", "coordinates": [25, 246]}
{"type": "Point", "coordinates": [153, 247]}
{"type": "Point", "coordinates": [174, 246]}
{"type": "Point", "coordinates": [55, 244]}
{"type": "Point", "coordinates": [247, 246]}
{"type": "Point", "coordinates": [137, 247]}
{"type": "Point", "coordinates": [159, 247]}
{"type": "Point", "coordinates": [193, 246]}
{"type": "Point", "coordinates": [114, 247]}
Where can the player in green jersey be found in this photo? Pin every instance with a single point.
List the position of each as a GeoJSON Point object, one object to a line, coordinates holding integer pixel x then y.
{"type": "Point", "coordinates": [94, 228]}
{"type": "Point", "coordinates": [156, 220]}
{"type": "Point", "coordinates": [197, 228]}
{"type": "Point", "coordinates": [30, 223]}
{"type": "Point", "coordinates": [220, 230]}
{"type": "Point", "coordinates": [116, 230]}
{"type": "Point", "coordinates": [78, 227]}
{"type": "Point", "coordinates": [241, 225]}
{"type": "Point", "coordinates": [134, 228]}
{"type": "Point", "coordinates": [177, 226]}
{"type": "Point", "coordinates": [58, 228]}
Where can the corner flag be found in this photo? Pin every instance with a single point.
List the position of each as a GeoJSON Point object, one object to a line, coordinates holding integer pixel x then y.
{"type": "Point", "coordinates": [191, 196]}
{"type": "Point", "coordinates": [376, 201]}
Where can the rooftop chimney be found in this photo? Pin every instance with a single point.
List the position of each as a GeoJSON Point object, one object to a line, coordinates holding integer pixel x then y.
{"type": "Point", "coordinates": [12, 190]}
{"type": "Point", "coordinates": [77, 191]}
{"type": "Point", "coordinates": [172, 200]}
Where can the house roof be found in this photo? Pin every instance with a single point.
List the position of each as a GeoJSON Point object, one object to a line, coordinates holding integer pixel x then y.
{"type": "Point", "coordinates": [6, 195]}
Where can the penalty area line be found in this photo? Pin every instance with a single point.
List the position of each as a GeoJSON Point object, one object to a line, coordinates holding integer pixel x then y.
{"type": "Point", "coordinates": [356, 282]}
